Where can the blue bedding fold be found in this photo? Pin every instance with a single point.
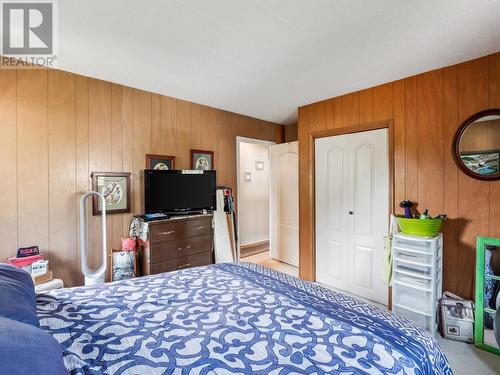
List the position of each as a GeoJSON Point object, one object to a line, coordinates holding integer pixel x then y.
{"type": "Point", "coordinates": [17, 295]}
{"type": "Point", "coordinates": [25, 349]}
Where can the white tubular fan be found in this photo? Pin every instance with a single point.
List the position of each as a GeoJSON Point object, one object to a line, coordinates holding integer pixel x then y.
{"type": "Point", "coordinates": [92, 276]}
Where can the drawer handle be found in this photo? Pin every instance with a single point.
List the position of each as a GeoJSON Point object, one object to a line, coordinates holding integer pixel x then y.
{"type": "Point", "coordinates": [166, 233]}
{"type": "Point", "coordinates": [201, 227]}
{"type": "Point", "coordinates": [186, 248]}
{"type": "Point", "coordinates": [184, 266]}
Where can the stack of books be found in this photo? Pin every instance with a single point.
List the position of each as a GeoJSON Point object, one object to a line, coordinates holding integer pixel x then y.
{"type": "Point", "coordinates": [30, 259]}
{"type": "Point", "coordinates": [26, 262]}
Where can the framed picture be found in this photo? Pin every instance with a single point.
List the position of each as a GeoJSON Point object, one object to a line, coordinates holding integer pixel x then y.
{"type": "Point", "coordinates": [163, 162]}
{"type": "Point", "coordinates": [202, 160]}
{"type": "Point", "coordinates": [115, 186]}
{"type": "Point", "coordinates": [123, 265]}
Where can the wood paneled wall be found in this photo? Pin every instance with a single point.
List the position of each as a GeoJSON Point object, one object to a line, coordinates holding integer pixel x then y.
{"type": "Point", "coordinates": [291, 132]}
{"type": "Point", "coordinates": [426, 110]}
{"type": "Point", "coordinates": [57, 128]}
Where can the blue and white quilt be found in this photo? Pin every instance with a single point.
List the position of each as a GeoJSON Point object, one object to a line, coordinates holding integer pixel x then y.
{"type": "Point", "coordinates": [231, 319]}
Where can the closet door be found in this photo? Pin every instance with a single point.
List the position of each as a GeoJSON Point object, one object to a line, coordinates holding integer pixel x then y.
{"type": "Point", "coordinates": [333, 202]}
{"type": "Point", "coordinates": [352, 212]}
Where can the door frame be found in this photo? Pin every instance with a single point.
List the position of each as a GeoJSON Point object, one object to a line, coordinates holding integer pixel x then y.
{"type": "Point", "coordinates": [385, 124]}
{"type": "Point", "coordinates": [240, 139]}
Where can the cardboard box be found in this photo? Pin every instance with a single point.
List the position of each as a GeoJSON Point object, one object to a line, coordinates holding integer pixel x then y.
{"type": "Point", "coordinates": [40, 279]}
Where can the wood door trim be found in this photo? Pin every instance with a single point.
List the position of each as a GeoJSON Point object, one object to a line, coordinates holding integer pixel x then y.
{"type": "Point", "coordinates": [385, 124]}
{"type": "Point", "coordinates": [353, 129]}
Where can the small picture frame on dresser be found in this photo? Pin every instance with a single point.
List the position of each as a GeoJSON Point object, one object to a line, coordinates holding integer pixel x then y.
{"type": "Point", "coordinates": [123, 265]}
{"type": "Point", "coordinates": [160, 162]}
{"type": "Point", "coordinates": [202, 160]}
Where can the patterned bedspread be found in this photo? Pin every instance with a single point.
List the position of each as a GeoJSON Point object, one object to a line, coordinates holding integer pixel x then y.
{"type": "Point", "coordinates": [231, 319]}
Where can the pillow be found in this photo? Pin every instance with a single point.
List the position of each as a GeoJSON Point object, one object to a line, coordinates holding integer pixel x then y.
{"type": "Point", "coordinates": [25, 349]}
{"type": "Point", "coordinates": [17, 295]}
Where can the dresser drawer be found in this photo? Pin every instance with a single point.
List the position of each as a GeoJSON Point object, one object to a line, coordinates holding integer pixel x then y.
{"type": "Point", "coordinates": [201, 259]}
{"type": "Point", "coordinates": [178, 248]}
{"type": "Point", "coordinates": [173, 230]}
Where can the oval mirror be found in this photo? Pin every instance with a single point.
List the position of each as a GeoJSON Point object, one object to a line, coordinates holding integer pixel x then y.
{"type": "Point", "coordinates": [477, 145]}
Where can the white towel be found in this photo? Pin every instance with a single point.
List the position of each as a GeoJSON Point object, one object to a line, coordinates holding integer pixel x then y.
{"type": "Point", "coordinates": [49, 285]}
{"type": "Point", "coordinates": [388, 260]}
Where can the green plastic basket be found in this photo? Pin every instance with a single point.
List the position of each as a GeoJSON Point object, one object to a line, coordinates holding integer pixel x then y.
{"type": "Point", "coordinates": [418, 227]}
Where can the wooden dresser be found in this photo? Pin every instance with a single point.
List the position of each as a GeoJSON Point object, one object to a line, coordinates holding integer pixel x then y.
{"type": "Point", "coordinates": [178, 243]}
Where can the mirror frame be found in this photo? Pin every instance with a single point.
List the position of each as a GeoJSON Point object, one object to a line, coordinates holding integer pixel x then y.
{"type": "Point", "coordinates": [481, 243]}
{"type": "Point", "coordinates": [456, 144]}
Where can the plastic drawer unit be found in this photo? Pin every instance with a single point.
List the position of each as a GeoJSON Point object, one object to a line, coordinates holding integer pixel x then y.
{"type": "Point", "coordinates": [417, 278]}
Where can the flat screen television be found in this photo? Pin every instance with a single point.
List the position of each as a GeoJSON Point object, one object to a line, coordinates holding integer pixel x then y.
{"type": "Point", "coordinates": [179, 191]}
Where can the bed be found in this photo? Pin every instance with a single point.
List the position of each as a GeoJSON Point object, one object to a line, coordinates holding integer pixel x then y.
{"type": "Point", "coordinates": [230, 318]}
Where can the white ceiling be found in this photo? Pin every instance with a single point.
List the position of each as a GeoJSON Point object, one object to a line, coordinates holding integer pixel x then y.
{"type": "Point", "coordinates": [265, 58]}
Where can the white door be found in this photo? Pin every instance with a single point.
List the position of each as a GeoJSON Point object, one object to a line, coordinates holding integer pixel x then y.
{"type": "Point", "coordinates": [352, 212]}
{"type": "Point", "coordinates": [284, 242]}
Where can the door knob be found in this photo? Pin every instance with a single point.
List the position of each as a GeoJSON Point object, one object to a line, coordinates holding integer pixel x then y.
{"type": "Point", "coordinates": [351, 212]}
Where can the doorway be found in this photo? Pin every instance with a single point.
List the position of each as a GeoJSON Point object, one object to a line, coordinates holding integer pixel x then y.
{"type": "Point", "coordinates": [352, 211]}
{"type": "Point", "coordinates": [260, 166]}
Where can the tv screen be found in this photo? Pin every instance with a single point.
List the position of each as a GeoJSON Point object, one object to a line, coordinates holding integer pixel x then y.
{"type": "Point", "coordinates": [171, 191]}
